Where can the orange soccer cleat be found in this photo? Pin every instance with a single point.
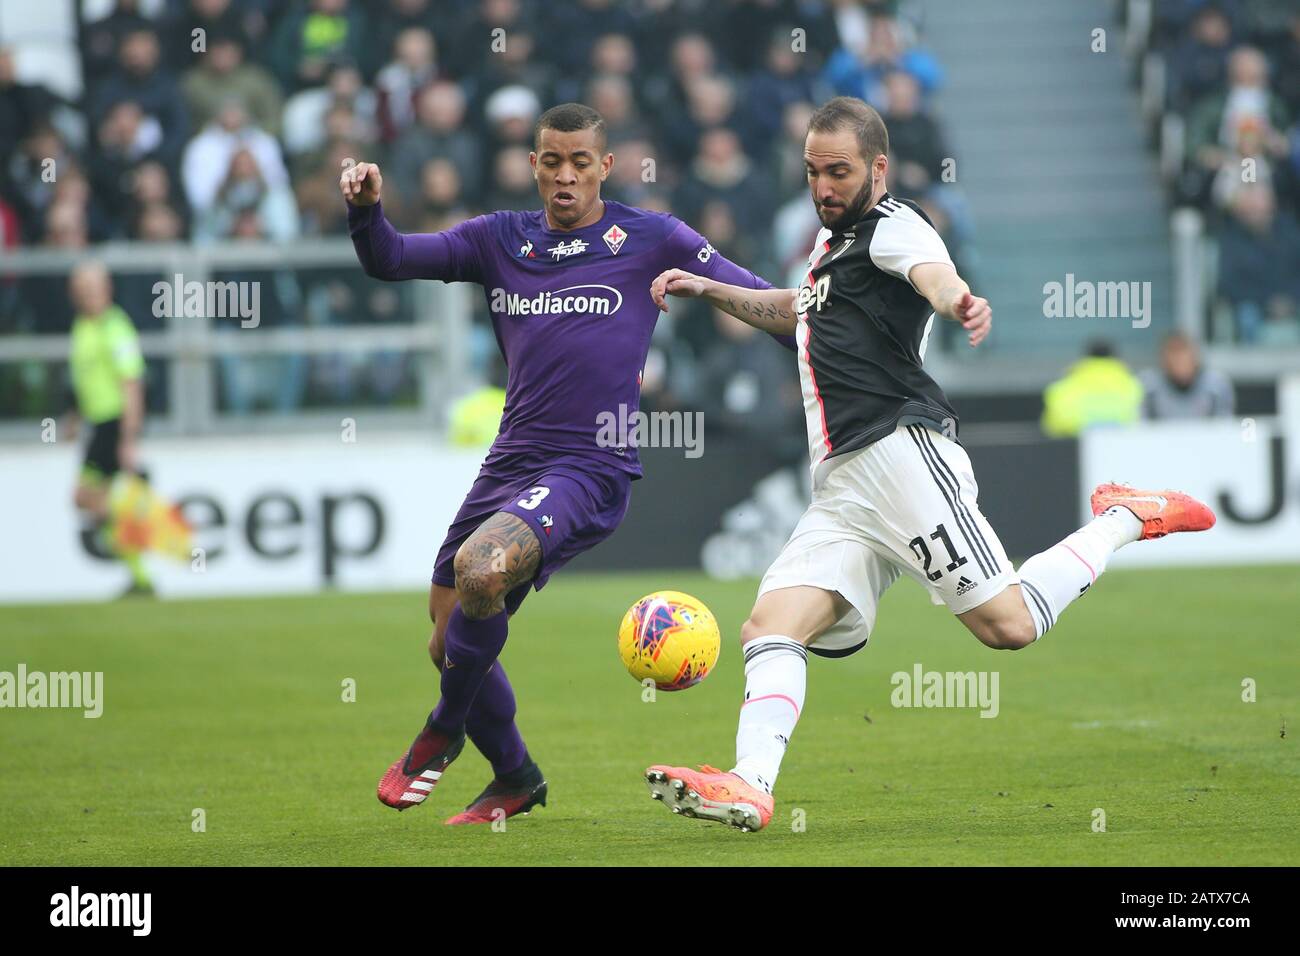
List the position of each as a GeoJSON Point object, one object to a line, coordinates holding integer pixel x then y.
{"type": "Point", "coordinates": [710, 794]}
{"type": "Point", "coordinates": [1161, 512]}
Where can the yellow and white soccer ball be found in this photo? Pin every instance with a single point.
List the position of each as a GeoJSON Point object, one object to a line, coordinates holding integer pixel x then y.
{"type": "Point", "coordinates": [671, 638]}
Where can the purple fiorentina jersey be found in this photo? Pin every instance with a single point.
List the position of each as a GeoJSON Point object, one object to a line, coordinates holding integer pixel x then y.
{"type": "Point", "coordinates": [571, 310]}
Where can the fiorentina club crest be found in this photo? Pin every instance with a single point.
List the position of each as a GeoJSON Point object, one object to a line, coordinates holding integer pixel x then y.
{"type": "Point", "coordinates": [614, 238]}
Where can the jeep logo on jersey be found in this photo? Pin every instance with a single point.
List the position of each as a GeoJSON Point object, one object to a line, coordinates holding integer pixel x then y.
{"type": "Point", "coordinates": [574, 248]}
{"type": "Point", "coordinates": [606, 300]}
{"type": "Point", "coordinates": [813, 295]}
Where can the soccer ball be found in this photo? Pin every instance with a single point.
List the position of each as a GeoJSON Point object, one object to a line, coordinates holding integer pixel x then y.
{"type": "Point", "coordinates": [671, 638]}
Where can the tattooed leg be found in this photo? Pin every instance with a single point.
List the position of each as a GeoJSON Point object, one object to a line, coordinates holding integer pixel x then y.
{"type": "Point", "coordinates": [502, 554]}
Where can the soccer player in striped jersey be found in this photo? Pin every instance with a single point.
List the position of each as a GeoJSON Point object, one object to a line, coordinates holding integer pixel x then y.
{"type": "Point", "coordinates": [566, 286]}
{"type": "Point", "coordinates": [893, 491]}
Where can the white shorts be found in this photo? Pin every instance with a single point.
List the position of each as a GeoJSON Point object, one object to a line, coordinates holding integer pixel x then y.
{"type": "Point", "coordinates": [903, 505]}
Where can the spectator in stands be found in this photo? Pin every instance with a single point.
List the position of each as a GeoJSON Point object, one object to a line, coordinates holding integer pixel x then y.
{"type": "Point", "coordinates": [344, 107]}
{"type": "Point", "coordinates": [1258, 251]}
{"type": "Point", "coordinates": [722, 172]}
{"type": "Point", "coordinates": [575, 28]}
{"type": "Point", "coordinates": [691, 58]}
{"type": "Point", "coordinates": [401, 17]}
{"type": "Point", "coordinates": [468, 45]}
{"type": "Point", "coordinates": [28, 180]}
{"type": "Point", "coordinates": [73, 188]}
{"type": "Point", "coordinates": [1287, 60]}
{"type": "Point", "coordinates": [1183, 387]}
{"type": "Point", "coordinates": [512, 180]}
{"type": "Point", "coordinates": [413, 67]}
{"type": "Point", "coordinates": [140, 79]}
{"type": "Point", "coordinates": [1247, 109]}
{"type": "Point", "coordinates": [314, 36]}
{"type": "Point", "coordinates": [747, 30]}
{"type": "Point", "coordinates": [125, 139]}
{"type": "Point", "coordinates": [1198, 64]}
{"type": "Point", "coordinates": [189, 31]}
{"type": "Point", "coordinates": [317, 189]}
{"type": "Point", "coordinates": [243, 191]}
{"type": "Point", "coordinates": [710, 103]}
{"type": "Point", "coordinates": [519, 64]}
{"type": "Point", "coordinates": [915, 143]}
{"type": "Point", "coordinates": [439, 131]}
{"type": "Point", "coordinates": [224, 74]}
{"type": "Point", "coordinates": [150, 185]}
{"type": "Point", "coordinates": [510, 113]}
{"type": "Point", "coordinates": [636, 177]}
{"type": "Point", "coordinates": [614, 54]}
{"type": "Point", "coordinates": [861, 72]}
{"type": "Point", "coordinates": [207, 159]}
{"type": "Point", "coordinates": [101, 39]}
{"type": "Point", "coordinates": [611, 97]}
{"type": "Point", "coordinates": [441, 203]}
{"type": "Point", "coordinates": [786, 154]}
{"type": "Point", "coordinates": [1098, 390]}
{"type": "Point", "coordinates": [783, 81]}
{"type": "Point", "coordinates": [23, 106]}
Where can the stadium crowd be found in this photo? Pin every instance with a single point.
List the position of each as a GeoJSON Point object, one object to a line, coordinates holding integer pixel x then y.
{"type": "Point", "coordinates": [229, 120]}
{"type": "Point", "coordinates": [1233, 80]}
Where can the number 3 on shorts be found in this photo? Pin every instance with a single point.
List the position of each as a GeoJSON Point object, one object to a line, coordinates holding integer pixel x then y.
{"type": "Point", "coordinates": [535, 496]}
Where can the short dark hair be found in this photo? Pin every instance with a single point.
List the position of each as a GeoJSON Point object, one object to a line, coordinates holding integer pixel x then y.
{"type": "Point", "coordinates": [851, 113]}
{"type": "Point", "coordinates": [570, 118]}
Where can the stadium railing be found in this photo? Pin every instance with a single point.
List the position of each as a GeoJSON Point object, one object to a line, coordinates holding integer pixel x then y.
{"type": "Point", "coordinates": [425, 324]}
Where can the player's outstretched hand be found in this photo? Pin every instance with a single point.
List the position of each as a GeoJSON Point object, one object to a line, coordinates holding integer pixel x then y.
{"type": "Point", "coordinates": [676, 282]}
{"type": "Point", "coordinates": [975, 316]}
{"type": "Point", "coordinates": [361, 183]}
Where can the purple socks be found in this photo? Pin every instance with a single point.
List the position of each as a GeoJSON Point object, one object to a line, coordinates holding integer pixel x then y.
{"type": "Point", "coordinates": [470, 649]}
{"type": "Point", "coordinates": [491, 723]}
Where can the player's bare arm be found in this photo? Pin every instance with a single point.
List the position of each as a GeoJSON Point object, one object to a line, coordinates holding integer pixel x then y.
{"type": "Point", "coordinates": [768, 310]}
{"type": "Point", "coordinates": [951, 298]}
{"type": "Point", "coordinates": [361, 184]}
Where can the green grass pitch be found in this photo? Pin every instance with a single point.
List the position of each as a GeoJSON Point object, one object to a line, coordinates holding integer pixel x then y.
{"type": "Point", "coordinates": [1132, 705]}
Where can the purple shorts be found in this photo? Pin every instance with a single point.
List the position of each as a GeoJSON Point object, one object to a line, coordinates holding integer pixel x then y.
{"type": "Point", "coordinates": [571, 503]}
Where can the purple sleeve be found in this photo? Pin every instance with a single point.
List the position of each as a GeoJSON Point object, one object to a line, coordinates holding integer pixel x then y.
{"type": "Point", "coordinates": [385, 253]}
{"type": "Point", "coordinates": [690, 251]}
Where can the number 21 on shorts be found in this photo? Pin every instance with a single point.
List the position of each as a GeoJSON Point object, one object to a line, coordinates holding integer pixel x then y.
{"type": "Point", "coordinates": [535, 496]}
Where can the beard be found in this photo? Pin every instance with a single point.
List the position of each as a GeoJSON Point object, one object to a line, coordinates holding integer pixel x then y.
{"type": "Point", "coordinates": [838, 218]}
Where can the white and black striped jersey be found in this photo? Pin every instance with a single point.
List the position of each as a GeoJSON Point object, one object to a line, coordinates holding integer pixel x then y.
{"type": "Point", "coordinates": [862, 333]}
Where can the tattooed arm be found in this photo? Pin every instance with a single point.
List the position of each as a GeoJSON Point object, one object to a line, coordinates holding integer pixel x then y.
{"type": "Point", "coordinates": [769, 310]}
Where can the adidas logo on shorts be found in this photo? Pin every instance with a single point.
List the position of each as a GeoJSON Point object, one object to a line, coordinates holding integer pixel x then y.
{"type": "Point", "coordinates": [964, 585]}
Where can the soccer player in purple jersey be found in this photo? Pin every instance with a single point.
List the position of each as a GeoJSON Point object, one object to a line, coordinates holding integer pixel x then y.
{"type": "Point", "coordinates": [568, 290]}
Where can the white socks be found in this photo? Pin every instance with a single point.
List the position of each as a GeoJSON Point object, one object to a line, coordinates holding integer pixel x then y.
{"type": "Point", "coordinates": [1053, 578]}
{"type": "Point", "coordinates": [776, 670]}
